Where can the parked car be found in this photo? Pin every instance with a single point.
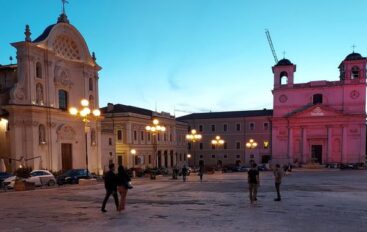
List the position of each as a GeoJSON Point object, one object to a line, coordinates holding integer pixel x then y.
{"type": "Point", "coordinates": [38, 177]}
{"type": "Point", "coordinates": [3, 176]}
{"type": "Point", "coordinates": [242, 168]}
{"type": "Point", "coordinates": [262, 167]}
{"type": "Point", "coordinates": [72, 176]}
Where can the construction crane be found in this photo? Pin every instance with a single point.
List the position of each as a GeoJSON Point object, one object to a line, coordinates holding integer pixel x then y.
{"type": "Point", "coordinates": [271, 45]}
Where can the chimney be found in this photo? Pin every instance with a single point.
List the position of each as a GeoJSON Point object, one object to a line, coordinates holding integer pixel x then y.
{"type": "Point", "coordinates": [109, 107]}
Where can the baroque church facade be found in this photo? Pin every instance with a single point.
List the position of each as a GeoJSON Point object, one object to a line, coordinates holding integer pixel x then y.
{"type": "Point", "coordinates": [320, 121]}
{"type": "Point", "coordinates": [53, 73]}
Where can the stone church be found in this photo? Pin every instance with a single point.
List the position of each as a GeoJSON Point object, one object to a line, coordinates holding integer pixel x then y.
{"type": "Point", "coordinates": [54, 72]}
{"type": "Point", "coordinates": [320, 121]}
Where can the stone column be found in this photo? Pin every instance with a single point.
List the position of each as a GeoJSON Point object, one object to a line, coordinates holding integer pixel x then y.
{"type": "Point", "coordinates": [344, 144]}
{"type": "Point", "coordinates": [329, 144]}
{"type": "Point", "coordinates": [363, 144]}
{"type": "Point", "coordinates": [304, 145]}
{"type": "Point", "coordinates": [290, 143]}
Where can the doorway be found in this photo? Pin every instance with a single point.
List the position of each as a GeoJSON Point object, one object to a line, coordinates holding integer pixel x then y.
{"type": "Point", "coordinates": [316, 151]}
{"type": "Point", "coordinates": [66, 156]}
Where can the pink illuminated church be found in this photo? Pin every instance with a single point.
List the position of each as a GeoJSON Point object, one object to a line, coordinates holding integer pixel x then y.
{"type": "Point", "coordinates": [320, 121]}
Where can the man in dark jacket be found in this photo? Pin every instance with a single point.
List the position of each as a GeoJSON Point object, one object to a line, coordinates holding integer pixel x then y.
{"type": "Point", "coordinates": [111, 187]}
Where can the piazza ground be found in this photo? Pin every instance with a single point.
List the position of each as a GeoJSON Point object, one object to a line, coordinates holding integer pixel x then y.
{"type": "Point", "coordinates": [313, 200]}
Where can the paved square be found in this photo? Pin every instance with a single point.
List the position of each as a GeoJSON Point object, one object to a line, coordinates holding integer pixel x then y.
{"type": "Point", "coordinates": [323, 200]}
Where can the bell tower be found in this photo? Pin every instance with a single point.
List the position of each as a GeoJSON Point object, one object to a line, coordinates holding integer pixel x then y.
{"type": "Point", "coordinates": [284, 73]}
{"type": "Point", "coordinates": [353, 67]}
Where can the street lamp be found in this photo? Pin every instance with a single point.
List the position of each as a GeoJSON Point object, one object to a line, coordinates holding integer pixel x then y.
{"type": "Point", "coordinates": [217, 141]}
{"type": "Point", "coordinates": [154, 129]}
{"type": "Point", "coordinates": [85, 114]}
{"type": "Point", "coordinates": [251, 144]}
{"type": "Point", "coordinates": [193, 137]}
{"type": "Point", "coordinates": [133, 152]}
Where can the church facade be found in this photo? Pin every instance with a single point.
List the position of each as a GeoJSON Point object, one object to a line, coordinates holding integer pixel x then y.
{"type": "Point", "coordinates": [53, 73]}
{"type": "Point", "coordinates": [320, 121]}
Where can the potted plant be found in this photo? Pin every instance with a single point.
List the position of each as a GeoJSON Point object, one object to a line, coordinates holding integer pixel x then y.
{"type": "Point", "coordinates": [22, 173]}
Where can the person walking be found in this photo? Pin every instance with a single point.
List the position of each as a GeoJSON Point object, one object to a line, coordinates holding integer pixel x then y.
{"type": "Point", "coordinates": [123, 180]}
{"type": "Point", "coordinates": [201, 172]}
{"type": "Point", "coordinates": [253, 182]}
{"type": "Point", "coordinates": [111, 187]}
{"type": "Point", "coordinates": [278, 175]}
{"type": "Point", "coordinates": [184, 173]}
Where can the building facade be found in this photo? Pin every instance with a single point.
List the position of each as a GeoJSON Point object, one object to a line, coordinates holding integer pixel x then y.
{"type": "Point", "coordinates": [53, 73]}
{"type": "Point", "coordinates": [320, 121]}
{"type": "Point", "coordinates": [124, 130]}
{"type": "Point", "coordinates": [316, 122]}
{"type": "Point", "coordinates": [236, 128]}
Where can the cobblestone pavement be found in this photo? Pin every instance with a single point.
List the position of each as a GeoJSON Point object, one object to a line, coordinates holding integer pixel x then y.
{"type": "Point", "coordinates": [322, 200]}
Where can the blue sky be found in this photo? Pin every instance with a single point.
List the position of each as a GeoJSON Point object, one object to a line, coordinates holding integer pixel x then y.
{"type": "Point", "coordinates": [198, 55]}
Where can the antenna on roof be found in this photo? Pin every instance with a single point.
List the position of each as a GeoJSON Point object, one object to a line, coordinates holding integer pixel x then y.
{"type": "Point", "coordinates": [11, 59]}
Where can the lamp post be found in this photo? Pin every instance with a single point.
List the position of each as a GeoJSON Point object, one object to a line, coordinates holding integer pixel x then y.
{"type": "Point", "coordinates": [85, 114]}
{"type": "Point", "coordinates": [251, 144]}
{"type": "Point", "coordinates": [218, 142]}
{"type": "Point", "coordinates": [193, 137]}
{"type": "Point", "coordinates": [154, 129]}
{"type": "Point", "coordinates": [133, 152]}
{"type": "Point", "coordinates": [188, 158]}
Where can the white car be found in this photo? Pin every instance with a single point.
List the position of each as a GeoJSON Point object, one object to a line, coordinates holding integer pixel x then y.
{"type": "Point", "coordinates": [38, 177]}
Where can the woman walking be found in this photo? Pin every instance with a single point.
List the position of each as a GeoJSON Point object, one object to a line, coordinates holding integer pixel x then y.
{"type": "Point", "coordinates": [123, 180]}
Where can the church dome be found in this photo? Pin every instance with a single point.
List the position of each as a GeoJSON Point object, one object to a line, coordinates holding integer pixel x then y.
{"type": "Point", "coordinates": [284, 62]}
{"type": "Point", "coordinates": [354, 56]}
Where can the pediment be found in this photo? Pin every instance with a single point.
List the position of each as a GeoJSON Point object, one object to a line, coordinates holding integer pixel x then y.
{"type": "Point", "coordinates": [316, 111]}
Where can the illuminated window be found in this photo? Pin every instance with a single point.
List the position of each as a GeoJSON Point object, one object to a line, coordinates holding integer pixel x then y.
{"type": "Point", "coordinates": [266, 144]}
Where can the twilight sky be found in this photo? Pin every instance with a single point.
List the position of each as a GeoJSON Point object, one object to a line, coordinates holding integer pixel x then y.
{"type": "Point", "coordinates": [198, 55]}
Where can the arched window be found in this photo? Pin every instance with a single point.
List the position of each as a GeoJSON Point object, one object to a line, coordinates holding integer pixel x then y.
{"type": "Point", "coordinates": [90, 84]}
{"type": "Point", "coordinates": [93, 137]}
{"type": "Point", "coordinates": [355, 73]}
{"type": "Point", "coordinates": [317, 99]}
{"type": "Point", "coordinates": [39, 94]}
{"type": "Point", "coordinates": [63, 99]}
{"type": "Point", "coordinates": [91, 102]}
{"type": "Point", "coordinates": [283, 78]}
{"type": "Point", "coordinates": [38, 70]}
{"type": "Point", "coordinates": [42, 134]}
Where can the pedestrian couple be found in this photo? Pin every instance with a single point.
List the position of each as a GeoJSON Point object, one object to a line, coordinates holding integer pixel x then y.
{"type": "Point", "coordinates": [254, 181]}
{"type": "Point", "coordinates": [116, 183]}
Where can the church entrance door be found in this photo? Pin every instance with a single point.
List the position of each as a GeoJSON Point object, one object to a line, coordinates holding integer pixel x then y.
{"type": "Point", "coordinates": [66, 155]}
{"type": "Point", "coordinates": [316, 154]}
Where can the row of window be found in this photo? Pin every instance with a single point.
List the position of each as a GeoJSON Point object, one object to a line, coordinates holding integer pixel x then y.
{"type": "Point", "coordinates": [251, 126]}
{"type": "Point", "coordinates": [225, 156]}
{"type": "Point", "coordinates": [225, 146]}
{"type": "Point", "coordinates": [160, 137]}
{"type": "Point", "coordinates": [40, 76]}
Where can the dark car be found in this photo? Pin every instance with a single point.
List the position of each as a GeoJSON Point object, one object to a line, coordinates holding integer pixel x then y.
{"type": "Point", "coordinates": [3, 176]}
{"type": "Point", "coordinates": [72, 176]}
